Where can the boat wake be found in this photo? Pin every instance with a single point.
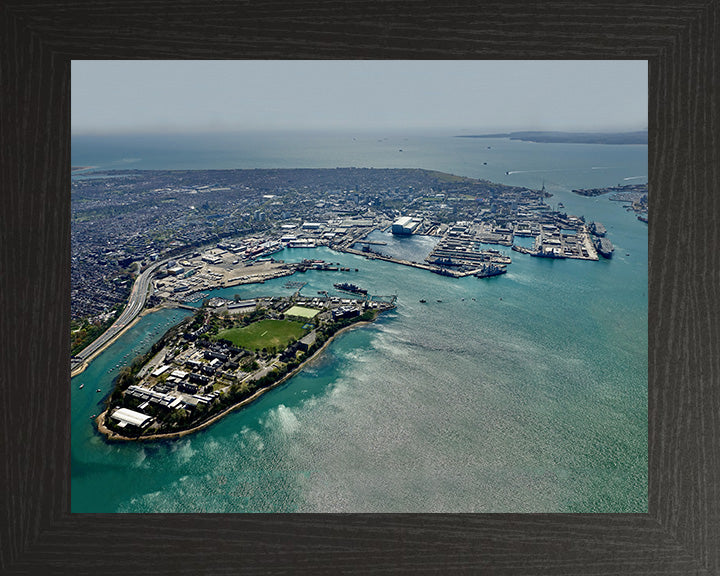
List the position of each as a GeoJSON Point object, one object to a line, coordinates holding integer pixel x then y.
{"type": "Point", "coordinates": [509, 172]}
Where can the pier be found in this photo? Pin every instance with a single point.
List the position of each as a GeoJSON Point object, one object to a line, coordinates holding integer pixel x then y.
{"type": "Point", "coordinates": [376, 256]}
{"type": "Point", "coordinates": [442, 270]}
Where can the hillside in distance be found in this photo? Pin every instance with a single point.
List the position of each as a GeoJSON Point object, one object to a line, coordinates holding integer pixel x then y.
{"type": "Point", "coordinates": [638, 137]}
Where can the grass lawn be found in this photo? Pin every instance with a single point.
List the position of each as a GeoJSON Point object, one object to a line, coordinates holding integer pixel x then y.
{"type": "Point", "coordinates": [264, 334]}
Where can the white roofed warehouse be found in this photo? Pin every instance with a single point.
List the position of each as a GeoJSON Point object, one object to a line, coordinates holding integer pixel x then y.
{"type": "Point", "coordinates": [127, 417]}
{"type": "Point", "coordinates": [405, 225]}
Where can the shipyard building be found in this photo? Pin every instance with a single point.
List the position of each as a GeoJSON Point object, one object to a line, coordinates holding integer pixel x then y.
{"type": "Point", "coordinates": [405, 225]}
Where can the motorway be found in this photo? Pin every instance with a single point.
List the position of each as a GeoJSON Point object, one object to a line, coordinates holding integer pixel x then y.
{"type": "Point", "coordinates": [138, 296]}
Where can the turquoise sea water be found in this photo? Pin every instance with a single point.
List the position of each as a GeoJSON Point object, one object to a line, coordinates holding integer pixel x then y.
{"type": "Point", "coordinates": [525, 392]}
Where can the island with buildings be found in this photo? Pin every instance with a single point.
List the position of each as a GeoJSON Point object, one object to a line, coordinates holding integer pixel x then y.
{"type": "Point", "coordinates": [147, 239]}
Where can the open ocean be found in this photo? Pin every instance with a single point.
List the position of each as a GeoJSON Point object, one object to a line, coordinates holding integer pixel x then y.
{"type": "Point", "coordinates": [521, 393]}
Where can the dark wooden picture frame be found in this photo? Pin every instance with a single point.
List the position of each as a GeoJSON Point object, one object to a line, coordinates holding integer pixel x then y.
{"type": "Point", "coordinates": [680, 534]}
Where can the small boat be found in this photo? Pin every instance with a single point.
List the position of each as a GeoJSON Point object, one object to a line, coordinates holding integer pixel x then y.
{"type": "Point", "coordinates": [423, 301]}
{"type": "Point", "coordinates": [98, 390]}
{"type": "Point", "coordinates": [439, 300]}
{"type": "Point", "coordinates": [81, 386]}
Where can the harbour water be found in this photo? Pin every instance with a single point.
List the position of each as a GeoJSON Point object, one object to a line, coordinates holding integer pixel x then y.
{"type": "Point", "coordinates": [520, 393]}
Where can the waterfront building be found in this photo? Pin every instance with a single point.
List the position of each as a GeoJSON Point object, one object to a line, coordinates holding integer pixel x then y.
{"type": "Point", "coordinates": [307, 341]}
{"type": "Point", "coordinates": [127, 417]}
{"type": "Point", "coordinates": [405, 225]}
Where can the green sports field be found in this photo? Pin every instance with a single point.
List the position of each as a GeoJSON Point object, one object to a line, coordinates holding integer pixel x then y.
{"type": "Point", "coordinates": [302, 312]}
{"type": "Point", "coordinates": [264, 334]}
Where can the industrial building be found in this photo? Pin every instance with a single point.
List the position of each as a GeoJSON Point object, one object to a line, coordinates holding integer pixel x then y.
{"type": "Point", "coordinates": [148, 395]}
{"type": "Point", "coordinates": [405, 225]}
{"type": "Point", "coordinates": [241, 306]}
{"type": "Point", "coordinates": [312, 225]}
{"type": "Point", "coordinates": [130, 417]}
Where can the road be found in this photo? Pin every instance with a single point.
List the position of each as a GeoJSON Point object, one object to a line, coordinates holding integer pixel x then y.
{"type": "Point", "coordinates": [135, 304]}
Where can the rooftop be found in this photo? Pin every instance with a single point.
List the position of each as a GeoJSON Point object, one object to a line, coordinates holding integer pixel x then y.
{"type": "Point", "coordinates": [131, 417]}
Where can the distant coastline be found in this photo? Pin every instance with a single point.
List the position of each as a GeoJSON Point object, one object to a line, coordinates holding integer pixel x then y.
{"type": "Point", "coordinates": [639, 137]}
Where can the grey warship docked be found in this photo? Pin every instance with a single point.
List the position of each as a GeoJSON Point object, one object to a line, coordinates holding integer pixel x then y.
{"type": "Point", "coordinates": [604, 247]}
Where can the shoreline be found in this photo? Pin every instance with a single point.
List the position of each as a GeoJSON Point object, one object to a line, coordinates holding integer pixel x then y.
{"type": "Point", "coordinates": [260, 279]}
{"type": "Point", "coordinates": [111, 436]}
{"type": "Point", "coordinates": [82, 367]}
{"type": "Point", "coordinates": [257, 279]}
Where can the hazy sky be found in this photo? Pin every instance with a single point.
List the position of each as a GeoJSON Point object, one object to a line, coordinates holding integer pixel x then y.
{"type": "Point", "coordinates": [460, 95]}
